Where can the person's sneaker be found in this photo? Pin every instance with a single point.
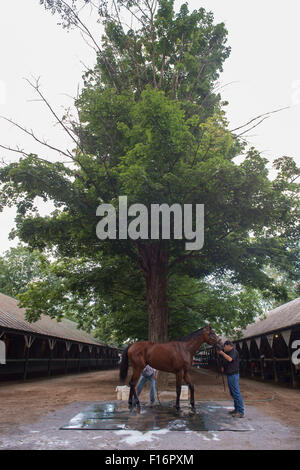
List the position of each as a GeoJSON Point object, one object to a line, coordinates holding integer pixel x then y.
{"type": "Point", "coordinates": [232, 412]}
{"type": "Point", "coordinates": [238, 415]}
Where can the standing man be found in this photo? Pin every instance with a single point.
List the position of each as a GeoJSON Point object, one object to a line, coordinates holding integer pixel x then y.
{"type": "Point", "coordinates": [148, 374]}
{"type": "Point", "coordinates": [230, 361]}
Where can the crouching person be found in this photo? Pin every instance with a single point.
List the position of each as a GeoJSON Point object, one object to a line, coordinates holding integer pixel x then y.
{"type": "Point", "coordinates": [148, 374]}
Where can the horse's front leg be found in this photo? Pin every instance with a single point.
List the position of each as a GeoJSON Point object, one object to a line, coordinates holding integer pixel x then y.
{"type": "Point", "coordinates": [178, 389]}
{"type": "Point", "coordinates": [187, 378]}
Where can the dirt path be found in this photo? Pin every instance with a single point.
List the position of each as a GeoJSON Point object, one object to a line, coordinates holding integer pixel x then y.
{"type": "Point", "coordinates": [26, 402]}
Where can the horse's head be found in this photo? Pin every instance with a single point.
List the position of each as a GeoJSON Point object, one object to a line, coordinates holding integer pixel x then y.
{"type": "Point", "coordinates": [210, 337]}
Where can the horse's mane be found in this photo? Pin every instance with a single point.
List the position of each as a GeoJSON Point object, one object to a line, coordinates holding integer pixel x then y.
{"type": "Point", "coordinates": [190, 335]}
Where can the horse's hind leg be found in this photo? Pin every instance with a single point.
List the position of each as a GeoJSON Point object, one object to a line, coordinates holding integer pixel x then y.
{"type": "Point", "coordinates": [130, 394]}
{"type": "Point", "coordinates": [178, 389]}
{"type": "Point", "coordinates": [187, 378]}
{"type": "Point", "coordinates": [133, 381]}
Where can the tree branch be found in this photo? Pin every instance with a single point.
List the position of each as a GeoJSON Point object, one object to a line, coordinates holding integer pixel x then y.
{"type": "Point", "coordinates": [31, 133]}
{"type": "Point", "coordinates": [258, 117]}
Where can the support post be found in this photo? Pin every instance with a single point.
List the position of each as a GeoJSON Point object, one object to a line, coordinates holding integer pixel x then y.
{"type": "Point", "coordinates": [51, 346]}
{"type": "Point", "coordinates": [274, 367]}
{"type": "Point", "coordinates": [80, 347]}
{"type": "Point", "coordinates": [294, 384]}
{"type": "Point", "coordinates": [68, 347]}
{"type": "Point", "coordinates": [28, 342]}
{"type": "Point", "coordinates": [262, 367]}
{"type": "Point", "coordinates": [90, 356]}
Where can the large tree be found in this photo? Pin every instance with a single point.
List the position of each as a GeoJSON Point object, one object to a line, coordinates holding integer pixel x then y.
{"type": "Point", "coordinates": [152, 127]}
{"type": "Point", "coordinates": [116, 314]}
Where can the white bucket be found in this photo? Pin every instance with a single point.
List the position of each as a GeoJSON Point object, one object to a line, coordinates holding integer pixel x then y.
{"type": "Point", "coordinates": [125, 393]}
{"type": "Point", "coordinates": [184, 392]}
{"type": "Point", "coordinates": [122, 392]}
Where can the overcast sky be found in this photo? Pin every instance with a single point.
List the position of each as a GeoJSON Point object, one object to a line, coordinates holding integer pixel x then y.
{"type": "Point", "coordinates": [264, 67]}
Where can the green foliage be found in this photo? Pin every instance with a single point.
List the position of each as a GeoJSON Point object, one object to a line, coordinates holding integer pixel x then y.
{"type": "Point", "coordinates": [20, 266]}
{"type": "Point", "coordinates": [115, 316]}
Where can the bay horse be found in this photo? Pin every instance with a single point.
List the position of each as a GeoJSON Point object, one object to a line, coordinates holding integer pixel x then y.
{"type": "Point", "coordinates": [174, 356]}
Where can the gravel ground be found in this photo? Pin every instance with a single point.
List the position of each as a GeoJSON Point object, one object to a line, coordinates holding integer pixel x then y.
{"type": "Point", "coordinates": [44, 434]}
{"type": "Point", "coordinates": [35, 410]}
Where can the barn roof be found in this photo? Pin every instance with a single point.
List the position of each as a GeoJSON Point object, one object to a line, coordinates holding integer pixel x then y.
{"type": "Point", "coordinates": [13, 317]}
{"type": "Point", "coordinates": [280, 318]}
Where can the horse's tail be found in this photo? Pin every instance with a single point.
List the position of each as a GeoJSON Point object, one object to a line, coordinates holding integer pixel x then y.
{"type": "Point", "coordinates": [124, 364]}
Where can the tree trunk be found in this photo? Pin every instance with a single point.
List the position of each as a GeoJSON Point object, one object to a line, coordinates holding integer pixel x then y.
{"type": "Point", "coordinates": [157, 307]}
{"type": "Point", "coordinates": [156, 263]}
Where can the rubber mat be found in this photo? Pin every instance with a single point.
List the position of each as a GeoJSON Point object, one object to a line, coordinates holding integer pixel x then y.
{"type": "Point", "coordinates": [115, 415]}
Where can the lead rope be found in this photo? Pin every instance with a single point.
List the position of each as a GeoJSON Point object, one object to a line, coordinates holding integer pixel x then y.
{"type": "Point", "coordinates": [219, 368]}
{"type": "Point", "coordinates": [156, 385]}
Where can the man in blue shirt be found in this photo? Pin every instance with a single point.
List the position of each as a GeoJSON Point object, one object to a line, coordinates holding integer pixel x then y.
{"type": "Point", "coordinates": [148, 374]}
{"type": "Point", "coordinates": [230, 360]}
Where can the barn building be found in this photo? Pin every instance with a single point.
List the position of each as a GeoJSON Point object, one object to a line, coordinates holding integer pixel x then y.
{"type": "Point", "coordinates": [47, 347]}
{"type": "Point", "coordinates": [269, 349]}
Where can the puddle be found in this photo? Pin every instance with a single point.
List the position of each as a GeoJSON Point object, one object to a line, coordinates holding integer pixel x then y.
{"type": "Point", "coordinates": [116, 416]}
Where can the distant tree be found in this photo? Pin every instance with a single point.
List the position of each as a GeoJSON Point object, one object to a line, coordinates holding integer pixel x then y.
{"type": "Point", "coordinates": [18, 267]}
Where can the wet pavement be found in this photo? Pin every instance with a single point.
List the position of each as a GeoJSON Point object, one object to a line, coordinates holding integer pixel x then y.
{"type": "Point", "coordinates": [115, 415]}
{"type": "Point", "coordinates": [263, 432]}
